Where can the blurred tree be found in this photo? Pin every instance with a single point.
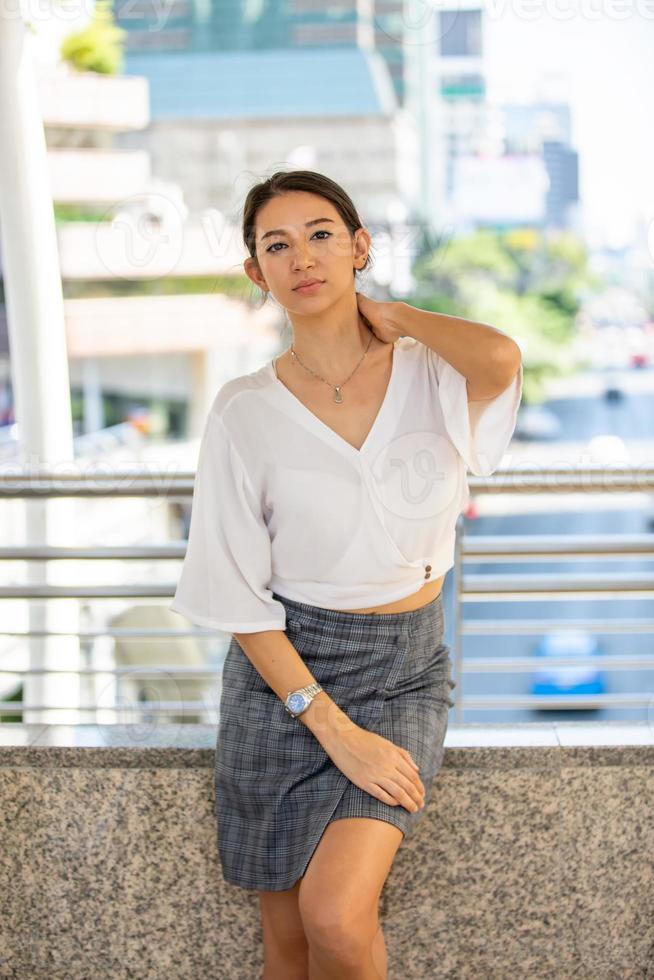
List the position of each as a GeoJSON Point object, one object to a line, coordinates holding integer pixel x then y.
{"type": "Point", "coordinates": [527, 283]}
{"type": "Point", "coordinates": [99, 47]}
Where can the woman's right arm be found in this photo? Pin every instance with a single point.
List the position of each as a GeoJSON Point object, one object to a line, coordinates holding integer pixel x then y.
{"type": "Point", "coordinates": [224, 584]}
{"type": "Point", "coordinates": [374, 763]}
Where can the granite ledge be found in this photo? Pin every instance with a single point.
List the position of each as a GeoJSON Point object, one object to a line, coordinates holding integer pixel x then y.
{"type": "Point", "coordinates": [468, 746]}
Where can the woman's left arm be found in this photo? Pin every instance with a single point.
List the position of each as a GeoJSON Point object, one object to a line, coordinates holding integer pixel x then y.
{"type": "Point", "coordinates": [486, 357]}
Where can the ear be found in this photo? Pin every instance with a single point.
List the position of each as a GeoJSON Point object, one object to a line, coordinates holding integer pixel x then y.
{"type": "Point", "coordinates": [362, 244]}
{"type": "Point", "coordinates": [252, 271]}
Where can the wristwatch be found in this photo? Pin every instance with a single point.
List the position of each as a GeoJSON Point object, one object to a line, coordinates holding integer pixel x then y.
{"type": "Point", "coordinates": [298, 701]}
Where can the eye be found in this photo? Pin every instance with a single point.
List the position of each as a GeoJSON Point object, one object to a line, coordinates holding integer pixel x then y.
{"type": "Point", "coordinates": [321, 231]}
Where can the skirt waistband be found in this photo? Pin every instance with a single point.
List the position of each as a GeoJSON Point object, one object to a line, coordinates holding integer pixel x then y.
{"type": "Point", "coordinates": [409, 619]}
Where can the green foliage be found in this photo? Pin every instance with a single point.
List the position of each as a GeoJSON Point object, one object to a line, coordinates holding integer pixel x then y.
{"type": "Point", "coordinates": [99, 47]}
{"type": "Point", "coordinates": [479, 256]}
{"type": "Point", "coordinates": [64, 212]}
{"type": "Point", "coordinates": [526, 283]}
{"type": "Point", "coordinates": [235, 286]}
{"type": "Point", "coordinates": [18, 695]}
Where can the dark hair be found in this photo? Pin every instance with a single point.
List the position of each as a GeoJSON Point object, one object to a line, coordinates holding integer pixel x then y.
{"type": "Point", "coordinates": [298, 180]}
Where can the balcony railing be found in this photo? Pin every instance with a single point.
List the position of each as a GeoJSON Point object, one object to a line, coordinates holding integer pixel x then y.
{"type": "Point", "coordinates": [491, 587]}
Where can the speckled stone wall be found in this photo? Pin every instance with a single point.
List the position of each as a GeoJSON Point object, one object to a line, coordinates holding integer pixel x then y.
{"type": "Point", "coordinates": [534, 859]}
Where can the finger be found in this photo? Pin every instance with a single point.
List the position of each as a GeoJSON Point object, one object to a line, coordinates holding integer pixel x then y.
{"type": "Point", "coordinates": [409, 758]}
{"type": "Point", "coordinates": [409, 792]}
{"type": "Point", "coordinates": [400, 795]}
{"type": "Point", "coordinates": [414, 780]}
{"type": "Point", "coordinates": [398, 788]}
{"type": "Point", "coordinates": [381, 794]}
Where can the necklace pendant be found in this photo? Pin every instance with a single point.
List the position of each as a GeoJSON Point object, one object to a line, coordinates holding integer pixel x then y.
{"type": "Point", "coordinates": [337, 395]}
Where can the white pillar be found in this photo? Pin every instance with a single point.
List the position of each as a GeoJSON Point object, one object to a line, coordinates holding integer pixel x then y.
{"type": "Point", "coordinates": [37, 341]}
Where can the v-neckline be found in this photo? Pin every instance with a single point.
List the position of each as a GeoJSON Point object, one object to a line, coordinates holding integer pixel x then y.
{"type": "Point", "coordinates": [337, 439]}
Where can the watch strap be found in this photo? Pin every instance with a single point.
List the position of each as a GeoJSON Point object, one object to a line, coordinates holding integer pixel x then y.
{"type": "Point", "coordinates": [309, 692]}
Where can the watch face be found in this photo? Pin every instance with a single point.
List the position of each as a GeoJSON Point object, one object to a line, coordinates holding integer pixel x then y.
{"type": "Point", "coordinates": [296, 703]}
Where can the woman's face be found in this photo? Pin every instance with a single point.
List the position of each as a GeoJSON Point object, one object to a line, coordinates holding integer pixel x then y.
{"type": "Point", "coordinates": [301, 236]}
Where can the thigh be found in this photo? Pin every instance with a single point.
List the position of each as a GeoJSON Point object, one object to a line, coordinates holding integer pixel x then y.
{"type": "Point", "coordinates": [348, 869]}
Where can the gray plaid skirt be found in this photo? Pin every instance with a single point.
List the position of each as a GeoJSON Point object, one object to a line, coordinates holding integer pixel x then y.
{"type": "Point", "coordinates": [276, 787]}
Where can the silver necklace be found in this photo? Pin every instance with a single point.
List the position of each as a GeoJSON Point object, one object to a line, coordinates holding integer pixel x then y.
{"type": "Point", "coordinates": [338, 397]}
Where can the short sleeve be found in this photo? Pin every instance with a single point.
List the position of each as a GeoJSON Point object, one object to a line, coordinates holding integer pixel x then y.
{"type": "Point", "coordinates": [481, 431]}
{"type": "Point", "coordinates": [227, 567]}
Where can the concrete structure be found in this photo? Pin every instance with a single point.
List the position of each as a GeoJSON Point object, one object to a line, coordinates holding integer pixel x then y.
{"type": "Point", "coordinates": [240, 115]}
{"type": "Point", "coordinates": [504, 165]}
{"type": "Point", "coordinates": [461, 84]}
{"type": "Point", "coordinates": [119, 345]}
{"type": "Point", "coordinates": [232, 26]}
{"type": "Point", "coordinates": [504, 191]}
{"type": "Point", "coordinates": [532, 860]}
{"type": "Point", "coordinates": [544, 129]}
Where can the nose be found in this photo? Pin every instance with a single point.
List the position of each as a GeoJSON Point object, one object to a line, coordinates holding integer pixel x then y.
{"type": "Point", "coordinates": [305, 262]}
{"type": "Point", "coordinates": [302, 257]}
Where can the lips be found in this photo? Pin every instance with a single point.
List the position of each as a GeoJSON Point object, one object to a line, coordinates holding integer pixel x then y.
{"type": "Point", "coordinates": [311, 282]}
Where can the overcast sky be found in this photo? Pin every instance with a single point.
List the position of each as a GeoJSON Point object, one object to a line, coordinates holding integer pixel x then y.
{"type": "Point", "coordinates": [607, 67]}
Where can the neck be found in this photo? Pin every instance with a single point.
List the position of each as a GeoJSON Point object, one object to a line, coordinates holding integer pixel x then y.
{"type": "Point", "coordinates": [333, 350]}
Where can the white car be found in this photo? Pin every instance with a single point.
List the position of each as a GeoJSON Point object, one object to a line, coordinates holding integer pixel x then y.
{"type": "Point", "coordinates": [537, 422]}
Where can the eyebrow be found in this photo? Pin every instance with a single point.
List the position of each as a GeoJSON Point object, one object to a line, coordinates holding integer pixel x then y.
{"type": "Point", "coordinates": [308, 224]}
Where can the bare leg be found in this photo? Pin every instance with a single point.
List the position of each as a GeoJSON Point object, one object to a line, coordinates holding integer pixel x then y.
{"type": "Point", "coordinates": [380, 955]}
{"type": "Point", "coordinates": [353, 954]}
{"type": "Point", "coordinates": [285, 948]}
{"type": "Point", "coordinates": [339, 899]}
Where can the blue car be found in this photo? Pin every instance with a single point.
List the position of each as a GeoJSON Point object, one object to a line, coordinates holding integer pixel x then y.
{"type": "Point", "coordinates": [585, 677]}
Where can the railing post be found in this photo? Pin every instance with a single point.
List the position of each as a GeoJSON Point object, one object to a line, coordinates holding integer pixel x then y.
{"type": "Point", "coordinates": [457, 650]}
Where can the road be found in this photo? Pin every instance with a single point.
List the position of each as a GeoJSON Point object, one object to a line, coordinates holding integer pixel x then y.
{"type": "Point", "coordinates": [584, 414]}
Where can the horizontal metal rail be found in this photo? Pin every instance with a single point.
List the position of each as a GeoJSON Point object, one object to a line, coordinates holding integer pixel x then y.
{"type": "Point", "coordinates": [482, 627]}
{"type": "Point", "coordinates": [51, 552]}
{"type": "Point", "coordinates": [146, 671]}
{"type": "Point", "coordinates": [163, 632]}
{"type": "Point", "coordinates": [473, 701]}
{"type": "Point", "coordinates": [469, 587]}
{"type": "Point", "coordinates": [498, 547]}
{"type": "Point", "coordinates": [534, 627]}
{"type": "Point", "coordinates": [478, 588]}
{"type": "Point", "coordinates": [489, 547]}
{"type": "Point", "coordinates": [43, 483]}
{"type": "Point", "coordinates": [472, 665]}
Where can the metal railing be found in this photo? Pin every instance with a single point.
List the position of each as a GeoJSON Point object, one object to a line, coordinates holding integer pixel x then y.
{"type": "Point", "coordinates": [493, 587]}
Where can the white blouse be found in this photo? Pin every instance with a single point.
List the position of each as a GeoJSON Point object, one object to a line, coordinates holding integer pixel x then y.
{"type": "Point", "coordinates": [283, 504]}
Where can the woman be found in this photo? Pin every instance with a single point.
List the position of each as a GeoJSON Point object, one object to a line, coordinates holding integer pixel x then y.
{"type": "Point", "coordinates": [327, 491]}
